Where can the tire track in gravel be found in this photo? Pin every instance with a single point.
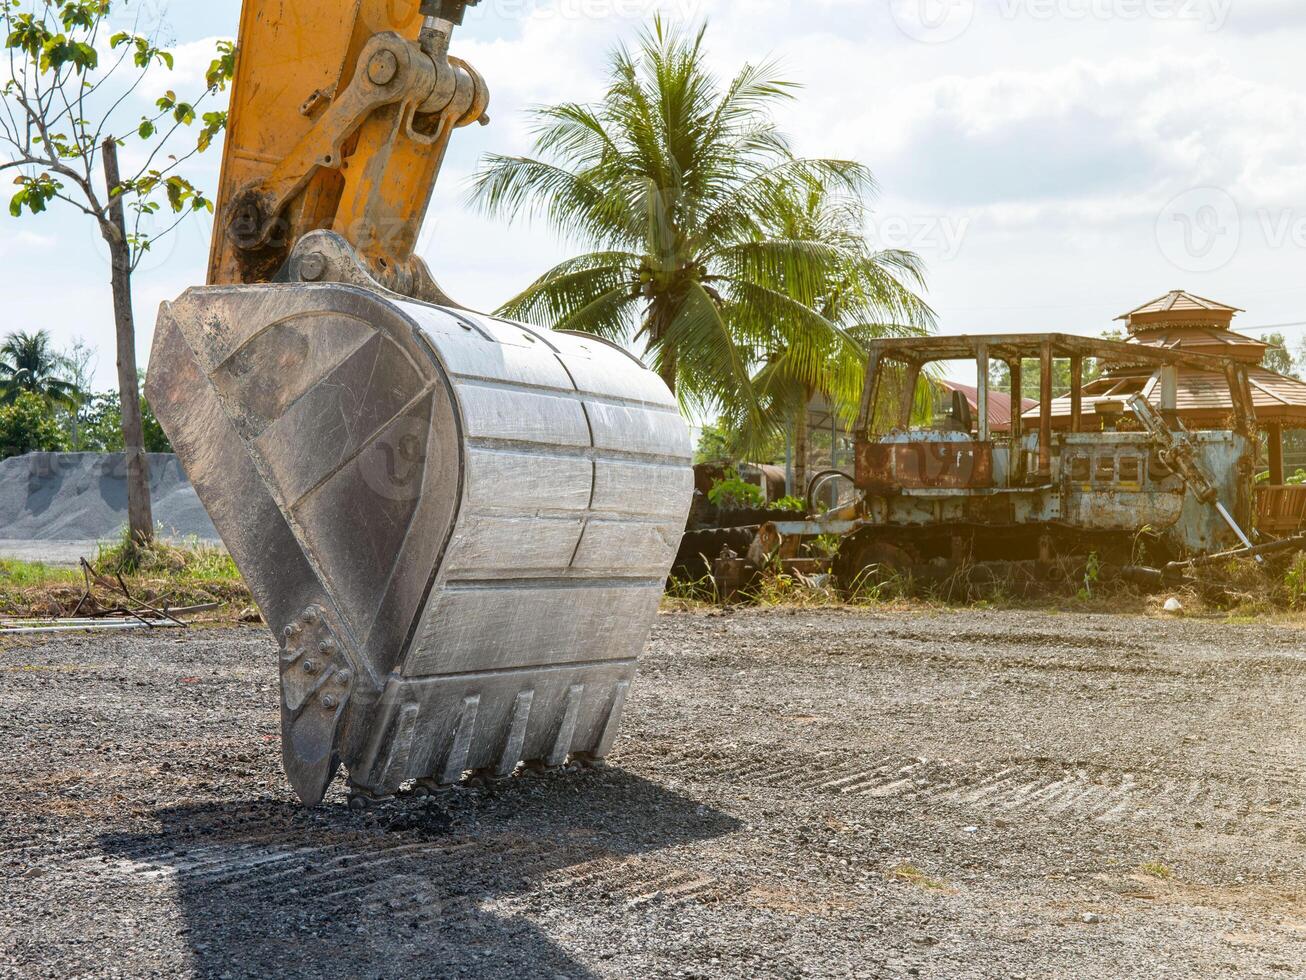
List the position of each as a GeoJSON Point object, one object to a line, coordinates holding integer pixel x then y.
{"type": "Point", "coordinates": [403, 875]}
{"type": "Point", "coordinates": [1019, 788]}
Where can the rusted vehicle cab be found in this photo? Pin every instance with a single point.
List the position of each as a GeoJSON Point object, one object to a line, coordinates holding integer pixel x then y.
{"type": "Point", "coordinates": [995, 477]}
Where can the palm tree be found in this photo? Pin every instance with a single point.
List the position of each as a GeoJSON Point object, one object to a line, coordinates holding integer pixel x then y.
{"type": "Point", "coordinates": [872, 294]}
{"type": "Point", "coordinates": [672, 179]}
{"type": "Point", "coordinates": [29, 363]}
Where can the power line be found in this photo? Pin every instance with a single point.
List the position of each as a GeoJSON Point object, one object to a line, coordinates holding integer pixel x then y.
{"type": "Point", "coordinates": [1270, 326]}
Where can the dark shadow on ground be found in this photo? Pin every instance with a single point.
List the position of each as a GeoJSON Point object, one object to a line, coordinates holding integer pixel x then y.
{"type": "Point", "coordinates": [268, 888]}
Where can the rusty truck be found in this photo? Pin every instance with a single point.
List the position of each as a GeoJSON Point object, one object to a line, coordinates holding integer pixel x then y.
{"type": "Point", "coordinates": [1080, 474]}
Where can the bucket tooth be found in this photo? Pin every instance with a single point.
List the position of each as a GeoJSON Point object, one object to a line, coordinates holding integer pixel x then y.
{"type": "Point", "coordinates": [517, 727]}
{"type": "Point", "coordinates": [459, 526]}
{"type": "Point", "coordinates": [612, 724]}
{"type": "Point", "coordinates": [460, 751]}
{"type": "Point", "coordinates": [562, 745]}
{"type": "Point", "coordinates": [401, 748]}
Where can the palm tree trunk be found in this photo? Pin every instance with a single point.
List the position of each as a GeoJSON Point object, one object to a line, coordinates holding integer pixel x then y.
{"type": "Point", "coordinates": [140, 516]}
{"type": "Point", "coordinates": [658, 323]}
{"type": "Point", "coordinates": [668, 372]}
{"type": "Point", "coordinates": [801, 445]}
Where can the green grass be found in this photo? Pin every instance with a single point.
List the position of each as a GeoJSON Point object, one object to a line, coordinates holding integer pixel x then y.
{"type": "Point", "coordinates": [30, 575]}
{"type": "Point", "coordinates": [189, 561]}
{"type": "Point", "coordinates": [1155, 869]}
{"type": "Point", "coordinates": [159, 573]}
{"type": "Point", "coordinates": [912, 875]}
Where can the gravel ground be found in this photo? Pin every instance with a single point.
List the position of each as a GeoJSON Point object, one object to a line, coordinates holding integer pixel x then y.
{"type": "Point", "coordinates": [977, 794]}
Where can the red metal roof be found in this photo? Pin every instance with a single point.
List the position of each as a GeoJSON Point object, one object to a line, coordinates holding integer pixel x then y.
{"type": "Point", "coordinates": [999, 403]}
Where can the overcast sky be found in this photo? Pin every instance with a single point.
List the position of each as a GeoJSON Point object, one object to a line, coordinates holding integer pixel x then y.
{"type": "Point", "coordinates": [1056, 162]}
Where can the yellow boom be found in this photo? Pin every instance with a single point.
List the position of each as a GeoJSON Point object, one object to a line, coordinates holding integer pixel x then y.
{"type": "Point", "coordinates": [340, 117]}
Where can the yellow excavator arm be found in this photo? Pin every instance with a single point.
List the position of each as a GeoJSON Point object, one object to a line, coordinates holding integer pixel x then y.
{"type": "Point", "coordinates": [458, 527]}
{"type": "Point", "coordinates": [340, 117]}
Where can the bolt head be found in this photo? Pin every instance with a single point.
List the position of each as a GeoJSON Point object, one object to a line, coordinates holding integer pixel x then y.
{"type": "Point", "coordinates": [246, 222]}
{"type": "Point", "coordinates": [312, 267]}
{"type": "Point", "coordinates": [330, 701]}
{"type": "Point", "coordinates": [328, 647]}
{"type": "Point", "coordinates": [310, 667]}
{"type": "Point", "coordinates": [383, 68]}
{"type": "Point", "coordinates": [310, 615]}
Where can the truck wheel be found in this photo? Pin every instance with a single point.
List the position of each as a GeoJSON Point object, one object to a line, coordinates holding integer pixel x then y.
{"type": "Point", "coordinates": [869, 563]}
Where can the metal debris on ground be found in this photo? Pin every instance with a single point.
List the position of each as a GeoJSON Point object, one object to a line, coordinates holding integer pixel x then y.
{"type": "Point", "coordinates": [1183, 572]}
{"type": "Point", "coordinates": [122, 609]}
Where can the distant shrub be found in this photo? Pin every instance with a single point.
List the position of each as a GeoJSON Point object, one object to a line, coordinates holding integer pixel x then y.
{"type": "Point", "coordinates": [796, 504]}
{"type": "Point", "coordinates": [28, 425]}
{"type": "Point", "coordinates": [1294, 582]}
{"type": "Point", "coordinates": [732, 493]}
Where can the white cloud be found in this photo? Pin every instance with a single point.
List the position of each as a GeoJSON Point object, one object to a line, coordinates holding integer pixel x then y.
{"type": "Point", "coordinates": [1028, 158]}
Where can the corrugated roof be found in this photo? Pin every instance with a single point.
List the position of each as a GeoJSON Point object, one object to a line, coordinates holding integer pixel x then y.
{"type": "Point", "coordinates": [999, 403]}
{"type": "Point", "coordinates": [1203, 339]}
{"type": "Point", "coordinates": [1179, 301]}
{"type": "Point", "coordinates": [1204, 398]}
{"type": "Point", "coordinates": [1163, 336]}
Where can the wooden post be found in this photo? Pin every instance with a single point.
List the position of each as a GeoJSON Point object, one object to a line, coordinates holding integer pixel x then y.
{"type": "Point", "coordinates": [1169, 393]}
{"type": "Point", "coordinates": [1077, 393]}
{"type": "Point", "coordinates": [1017, 423]}
{"type": "Point", "coordinates": [1274, 435]}
{"type": "Point", "coordinates": [982, 391]}
{"type": "Point", "coordinates": [1045, 412]}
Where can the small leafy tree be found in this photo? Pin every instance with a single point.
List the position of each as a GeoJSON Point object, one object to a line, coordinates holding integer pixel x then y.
{"type": "Point", "coordinates": [735, 493]}
{"type": "Point", "coordinates": [28, 425]}
{"type": "Point", "coordinates": [70, 103]}
{"type": "Point", "coordinates": [101, 426]}
{"type": "Point", "coordinates": [1278, 356]}
{"type": "Point", "coordinates": [79, 362]}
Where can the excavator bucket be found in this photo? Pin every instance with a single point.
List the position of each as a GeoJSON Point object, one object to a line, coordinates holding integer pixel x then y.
{"type": "Point", "coordinates": [458, 527]}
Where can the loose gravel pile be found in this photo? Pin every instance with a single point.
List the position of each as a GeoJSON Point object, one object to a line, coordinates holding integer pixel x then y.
{"type": "Point", "coordinates": [83, 497]}
{"type": "Point", "coordinates": [831, 794]}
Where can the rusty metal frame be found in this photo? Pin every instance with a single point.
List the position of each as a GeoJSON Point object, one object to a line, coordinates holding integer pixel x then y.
{"type": "Point", "coordinates": [1015, 348]}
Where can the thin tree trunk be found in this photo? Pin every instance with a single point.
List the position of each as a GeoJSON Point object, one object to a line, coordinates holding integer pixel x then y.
{"type": "Point", "coordinates": [801, 445]}
{"type": "Point", "coordinates": [140, 514]}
